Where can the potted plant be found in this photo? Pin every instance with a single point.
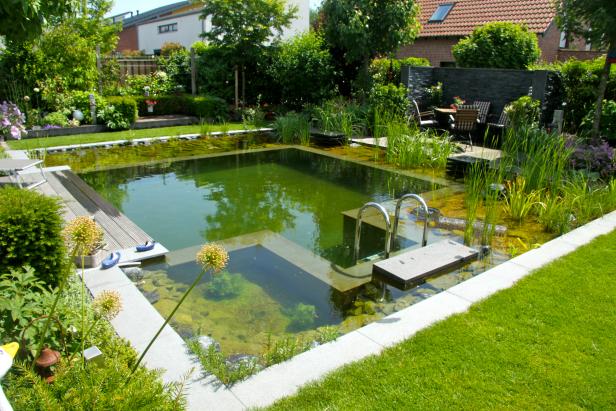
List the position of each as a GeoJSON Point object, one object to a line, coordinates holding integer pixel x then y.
{"type": "Point", "coordinates": [86, 231]}
{"type": "Point", "coordinates": [457, 101]}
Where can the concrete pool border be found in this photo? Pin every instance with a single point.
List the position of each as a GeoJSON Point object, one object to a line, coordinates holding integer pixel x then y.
{"type": "Point", "coordinates": [262, 389]}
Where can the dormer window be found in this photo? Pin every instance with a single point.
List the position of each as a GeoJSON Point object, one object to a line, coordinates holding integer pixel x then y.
{"type": "Point", "coordinates": [441, 12]}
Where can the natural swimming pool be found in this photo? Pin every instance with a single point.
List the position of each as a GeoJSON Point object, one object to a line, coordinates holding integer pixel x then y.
{"type": "Point", "coordinates": [280, 213]}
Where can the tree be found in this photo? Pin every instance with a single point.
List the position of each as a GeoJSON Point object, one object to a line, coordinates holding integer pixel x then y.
{"type": "Point", "coordinates": [594, 20]}
{"type": "Point", "coordinates": [244, 28]}
{"type": "Point", "coordinates": [304, 70]}
{"type": "Point", "coordinates": [359, 30]}
{"type": "Point", "coordinates": [22, 20]}
{"type": "Point", "coordinates": [498, 45]}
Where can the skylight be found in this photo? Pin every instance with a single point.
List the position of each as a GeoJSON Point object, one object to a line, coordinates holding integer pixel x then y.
{"type": "Point", "coordinates": [441, 12]}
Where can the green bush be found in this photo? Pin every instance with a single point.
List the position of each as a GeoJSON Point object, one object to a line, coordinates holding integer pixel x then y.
{"type": "Point", "coordinates": [119, 113]}
{"type": "Point", "coordinates": [303, 70]}
{"type": "Point", "coordinates": [524, 111]}
{"type": "Point", "coordinates": [210, 108]}
{"type": "Point", "coordinates": [56, 118]}
{"type": "Point", "coordinates": [608, 120]}
{"type": "Point", "coordinates": [580, 79]}
{"type": "Point", "coordinates": [80, 100]}
{"type": "Point", "coordinates": [498, 45]}
{"type": "Point", "coordinates": [175, 61]}
{"type": "Point", "coordinates": [389, 98]}
{"type": "Point", "coordinates": [31, 234]}
{"type": "Point", "coordinates": [385, 70]}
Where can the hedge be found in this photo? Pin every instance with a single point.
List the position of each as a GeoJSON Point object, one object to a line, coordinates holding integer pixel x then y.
{"type": "Point", "coordinates": [207, 107]}
{"type": "Point", "coordinates": [126, 106]}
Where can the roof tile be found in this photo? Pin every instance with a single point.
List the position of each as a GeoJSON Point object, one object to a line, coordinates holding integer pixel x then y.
{"type": "Point", "coordinates": [468, 14]}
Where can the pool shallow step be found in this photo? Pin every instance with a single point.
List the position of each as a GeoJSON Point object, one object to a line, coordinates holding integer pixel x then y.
{"type": "Point", "coordinates": [406, 269]}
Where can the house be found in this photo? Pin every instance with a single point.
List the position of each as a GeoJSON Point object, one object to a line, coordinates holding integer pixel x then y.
{"type": "Point", "coordinates": [180, 23]}
{"type": "Point", "coordinates": [444, 23]}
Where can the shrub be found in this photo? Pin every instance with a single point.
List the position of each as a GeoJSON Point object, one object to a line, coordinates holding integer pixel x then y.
{"type": "Point", "coordinates": [580, 79]}
{"type": "Point", "coordinates": [31, 233]}
{"type": "Point", "coordinates": [210, 108]}
{"type": "Point", "coordinates": [176, 63]}
{"type": "Point", "coordinates": [119, 114]}
{"type": "Point", "coordinates": [304, 71]}
{"type": "Point", "coordinates": [523, 111]}
{"type": "Point", "coordinates": [159, 83]}
{"type": "Point", "coordinates": [56, 118]}
{"type": "Point", "coordinates": [389, 98]}
{"type": "Point", "coordinates": [608, 120]}
{"type": "Point", "coordinates": [594, 157]}
{"type": "Point", "coordinates": [80, 100]}
{"type": "Point", "coordinates": [385, 70]}
{"type": "Point", "coordinates": [498, 45]}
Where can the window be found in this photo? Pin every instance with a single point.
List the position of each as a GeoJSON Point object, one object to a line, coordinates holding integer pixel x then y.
{"type": "Point", "coordinates": [441, 12]}
{"type": "Point", "coordinates": [166, 28]}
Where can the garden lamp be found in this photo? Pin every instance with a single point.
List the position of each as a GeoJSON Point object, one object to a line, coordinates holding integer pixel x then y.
{"type": "Point", "coordinates": [7, 353]}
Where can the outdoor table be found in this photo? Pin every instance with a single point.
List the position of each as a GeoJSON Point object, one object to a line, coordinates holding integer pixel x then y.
{"type": "Point", "coordinates": [14, 167]}
{"type": "Point", "coordinates": [442, 116]}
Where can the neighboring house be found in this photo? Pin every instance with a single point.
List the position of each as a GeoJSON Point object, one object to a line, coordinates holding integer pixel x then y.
{"type": "Point", "coordinates": [444, 23]}
{"type": "Point", "coordinates": [180, 23]}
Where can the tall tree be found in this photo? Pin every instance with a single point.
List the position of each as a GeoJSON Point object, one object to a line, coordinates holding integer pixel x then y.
{"type": "Point", "coordinates": [594, 20]}
{"type": "Point", "coordinates": [22, 20]}
{"type": "Point", "coordinates": [359, 30]}
{"type": "Point", "coordinates": [246, 27]}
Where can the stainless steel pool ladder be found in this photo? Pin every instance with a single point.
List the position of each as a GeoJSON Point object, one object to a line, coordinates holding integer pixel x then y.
{"type": "Point", "coordinates": [360, 213]}
{"type": "Point", "coordinates": [422, 203]}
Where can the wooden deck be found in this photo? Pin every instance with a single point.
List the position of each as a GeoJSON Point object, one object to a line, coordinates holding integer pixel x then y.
{"type": "Point", "coordinates": [79, 199]}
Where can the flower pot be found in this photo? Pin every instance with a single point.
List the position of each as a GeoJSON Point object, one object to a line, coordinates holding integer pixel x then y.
{"type": "Point", "coordinates": [92, 260]}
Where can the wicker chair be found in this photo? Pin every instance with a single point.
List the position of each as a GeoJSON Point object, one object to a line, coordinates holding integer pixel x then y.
{"type": "Point", "coordinates": [503, 121]}
{"type": "Point", "coordinates": [424, 118]}
{"type": "Point", "coordinates": [484, 109]}
{"type": "Point", "coordinates": [464, 123]}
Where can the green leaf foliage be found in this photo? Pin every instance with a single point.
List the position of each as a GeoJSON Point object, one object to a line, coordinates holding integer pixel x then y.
{"type": "Point", "coordinates": [303, 70]}
{"type": "Point", "coordinates": [388, 70]}
{"type": "Point", "coordinates": [21, 20]}
{"type": "Point", "coordinates": [498, 45]}
{"type": "Point", "coordinates": [608, 120]}
{"type": "Point", "coordinates": [31, 233]}
{"type": "Point", "coordinates": [594, 20]}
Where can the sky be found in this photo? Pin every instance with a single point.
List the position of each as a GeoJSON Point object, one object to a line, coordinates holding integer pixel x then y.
{"type": "Point", "coordinates": [123, 6]}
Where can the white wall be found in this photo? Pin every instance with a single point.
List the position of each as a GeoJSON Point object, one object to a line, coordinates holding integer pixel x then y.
{"type": "Point", "coordinates": [301, 24]}
{"type": "Point", "coordinates": [190, 27]}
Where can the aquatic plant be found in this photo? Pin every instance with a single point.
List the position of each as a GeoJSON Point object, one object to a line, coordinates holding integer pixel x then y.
{"type": "Point", "coordinates": [474, 183]}
{"type": "Point", "coordinates": [492, 207]}
{"type": "Point", "coordinates": [408, 147]}
{"type": "Point", "coordinates": [555, 214]}
{"type": "Point", "coordinates": [518, 202]}
{"type": "Point", "coordinates": [215, 362]}
{"type": "Point", "coordinates": [282, 349]}
{"type": "Point", "coordinates": [327, 334]}
{"type": "Point", "coordinates": [224, 286]}
{"type": "Point", "coordinates": [301, 316]}
{"type": "Point", "coordinates": [211, 257]}
{"type": "Point", "coordinates": [293, 128]}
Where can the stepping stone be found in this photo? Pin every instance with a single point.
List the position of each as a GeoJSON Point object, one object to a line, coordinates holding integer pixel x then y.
{"type": "Point", "coordinates": [407, 269]}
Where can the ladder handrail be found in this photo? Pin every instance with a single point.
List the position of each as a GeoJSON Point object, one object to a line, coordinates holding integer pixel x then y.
{"type": "Point", "coordinates": [382, 210]}
{"type": "Point", "coordinates": [423, 204]}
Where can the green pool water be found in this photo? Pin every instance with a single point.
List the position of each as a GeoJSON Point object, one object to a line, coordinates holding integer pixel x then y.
{"type": "Point", "coordinates": [280, 213]}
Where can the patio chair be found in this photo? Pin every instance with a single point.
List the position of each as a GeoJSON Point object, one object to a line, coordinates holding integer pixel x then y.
{"type": "Point", "coordinates": [464, 123]}
{"type": "Point", "coordinates": [17, 168]}
{"type": "Point", "coordinates": [425, 118]}
{"type": "Point", "coordinates": [484, 109]}
{"type": "Point", "coordinates": [503, 121]}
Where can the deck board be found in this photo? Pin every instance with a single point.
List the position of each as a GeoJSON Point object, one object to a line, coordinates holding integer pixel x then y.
{"type": "Point", "coordinates": [79, 199]}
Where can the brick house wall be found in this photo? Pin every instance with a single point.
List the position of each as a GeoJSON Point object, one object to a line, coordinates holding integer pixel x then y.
{"type": "Point", "coordinates": [549, 43]}
{"type": "Point", "coordinates": [128, 39]}
{"type": "Point", "coordinates": [436, 50]}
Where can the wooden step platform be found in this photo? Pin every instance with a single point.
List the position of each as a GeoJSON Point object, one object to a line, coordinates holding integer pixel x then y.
{"type": "Point", "coordinates": [409, 268]}
{"type": "Point", "coordinates": [79, 199]}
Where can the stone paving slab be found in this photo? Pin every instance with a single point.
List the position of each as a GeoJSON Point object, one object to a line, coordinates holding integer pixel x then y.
{"type": "Point", "coordinates": [284, 379]}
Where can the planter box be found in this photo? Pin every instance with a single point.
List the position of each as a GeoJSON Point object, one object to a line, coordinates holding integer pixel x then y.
{"type": "Point", "coordinates": [327, 138]}
{"type": "Point", "coordinates": [91, 261]}
{"type": "Point", "coordinates": [66, 131]}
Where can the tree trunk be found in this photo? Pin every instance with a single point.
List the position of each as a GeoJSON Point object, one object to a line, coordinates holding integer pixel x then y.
{"type": "Point", "coordinates": [600, 94]}
{"type": "Point", "coordinates": [243, 86]}
{"type": "Point", "coordinates": [237, 86]}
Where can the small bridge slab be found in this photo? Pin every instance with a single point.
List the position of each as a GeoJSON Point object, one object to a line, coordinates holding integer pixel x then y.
{"type": "Point", "coordinates": [409, 268]}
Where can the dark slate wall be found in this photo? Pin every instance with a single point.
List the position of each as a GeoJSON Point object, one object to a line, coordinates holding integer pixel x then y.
{"type": "Point", "coordinates": [498, 86]}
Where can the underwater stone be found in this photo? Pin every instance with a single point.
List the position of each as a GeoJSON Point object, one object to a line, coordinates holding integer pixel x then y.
{"type": "Point", "coordinates": [205, 341]}
{"type": "Point", "coordinates": [152, 296]}
{"type": "Point", "coordinates": [134, 273]}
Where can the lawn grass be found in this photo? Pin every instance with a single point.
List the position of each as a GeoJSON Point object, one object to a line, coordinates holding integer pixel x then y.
{"type": "Point", "coordinates": [31, 143]}
{"type": "Point", "coordinates": [547, 343]}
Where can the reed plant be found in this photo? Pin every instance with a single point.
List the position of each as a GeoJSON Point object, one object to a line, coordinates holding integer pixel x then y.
{"type": "Point", "coordinates": [340, 116]}
{"type": "Point", "coordinates": [474, 183]}
{"type": "Point", "coordinates": [540, 157]}
{"type": "Point", "coordinates": [205, 128]}
{"type": "Point", "coordinates": [493, 177]}
{"type": "Point", "coordinates": [555, 214]}
{"type": "Point", "coordinates": [519, 202]}
{"type": "Point", "coordinates": [293, 128]}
